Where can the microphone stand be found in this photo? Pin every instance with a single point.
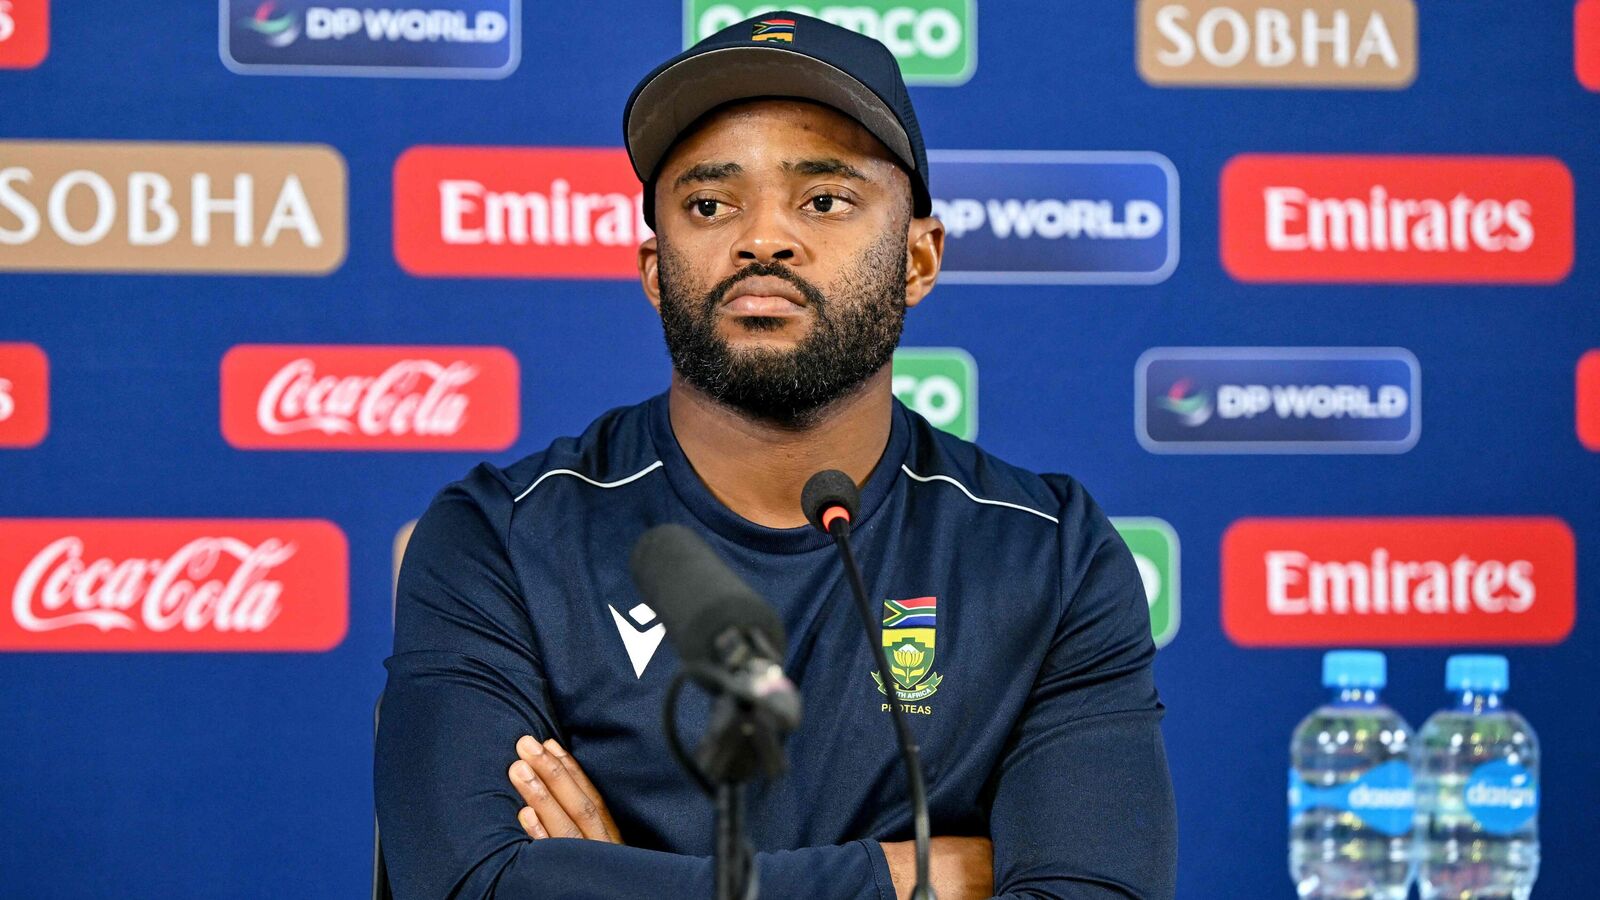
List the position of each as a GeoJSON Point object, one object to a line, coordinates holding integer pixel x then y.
{"type": "Point", "coordinates": [743, 741]}
{"type": "Point", "coordinates": [839, 528]}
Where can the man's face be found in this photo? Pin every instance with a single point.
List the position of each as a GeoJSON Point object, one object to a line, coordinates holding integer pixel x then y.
{"type": "Point", "coordinates": [781, 257]}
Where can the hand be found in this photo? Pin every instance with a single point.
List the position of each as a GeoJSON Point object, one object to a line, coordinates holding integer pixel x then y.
{"type": "Point", "coordinates": [961, 868]}
{"type": "Point", "coordinates": [561, 800]}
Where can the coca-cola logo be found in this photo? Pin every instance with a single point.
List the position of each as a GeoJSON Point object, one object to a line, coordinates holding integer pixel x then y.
{"type": "Point", "coordinates": [333, 397]}
{"type": "Point", "coordinates": [131, 584]}
{"type": "Point", "coordinates": [1398, 581]}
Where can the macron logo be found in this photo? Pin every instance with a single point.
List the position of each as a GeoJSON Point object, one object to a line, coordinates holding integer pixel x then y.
{"type": "Point", "coordinates": [639, 637]}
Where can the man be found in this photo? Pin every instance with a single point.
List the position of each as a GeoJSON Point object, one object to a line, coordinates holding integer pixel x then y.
{"type": "Point", "coordinates": [786, 182]}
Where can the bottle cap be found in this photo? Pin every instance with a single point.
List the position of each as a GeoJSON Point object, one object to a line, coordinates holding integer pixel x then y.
{"type": "Point", "coordinates": [1470, 672]}
{"type": "Point", "coordinates": [1354, 668]}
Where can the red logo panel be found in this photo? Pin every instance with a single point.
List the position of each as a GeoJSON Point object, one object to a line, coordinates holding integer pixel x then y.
{"type": "Point", "coordinates": [24, 395]}
{"type": "Point", "coordinates": [1586, 43]}
{"type": "Point", "coordinates": [172, 584]}
{"type": "Point", "coordinates": [294, 397]}
{"type": "Point", "coordinates": [1398, 581]}
{"type": "Point", "coordinates": [24, 33]}
{"type": "Point", "coordinates": [1397, 219]}
{"type": "Point", "coordinates": [1589, 400]}
{"type": "Point", "coordinates": [518, 212]}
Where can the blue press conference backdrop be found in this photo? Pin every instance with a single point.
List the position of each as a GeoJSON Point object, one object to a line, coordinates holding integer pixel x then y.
{"type": "Point", "coordinates": [244, 774]}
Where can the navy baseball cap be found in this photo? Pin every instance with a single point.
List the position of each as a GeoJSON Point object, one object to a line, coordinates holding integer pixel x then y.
{"type": "Point", "coordinates": [779, 54]}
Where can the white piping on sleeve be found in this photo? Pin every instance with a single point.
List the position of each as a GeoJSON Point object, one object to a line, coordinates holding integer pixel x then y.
{"type": "Point", "coordinates": [581, 477]}
{"type": "Point", "coordinates": [927, 478]}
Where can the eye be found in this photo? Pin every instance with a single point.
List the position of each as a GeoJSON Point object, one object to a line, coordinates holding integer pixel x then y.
{"type": "Point", "coordinates": [705, 207]}
{"type": "Point", "coordinates": [828, 203]}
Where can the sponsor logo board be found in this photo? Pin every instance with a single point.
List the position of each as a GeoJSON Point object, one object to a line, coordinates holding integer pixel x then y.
{"type": "Point", "coordinates": [137, 206]}
{"type": "Point", "coordinates": [935, 41]}
{"type": "Point", "coordinates": [24, 33]}
{"type": "Point", "coordinates": [1397, 219]}
{"type": "Point", "coordinates": [1278, 43]}
{"type": "Point", "coordinates": [1588, 381]}
{"type": "Point", "coordinates": [1398, 581]}
{"type": "Point", "coordinates": [24, 395]}
{"type": "Point", "coordinates": [104, 585]}
{"type": "Point", "coordinates": [444, 39]}
{"type": "Point", "coordinates": [1154, 545]}
{"type": "Point", "coordinates": [1046, 217]}
{"type": "Point", "coordinates": [518, 212]}
{"type": "Point", "coordinates": [293, 397]}
{"type": "Point", "coordinates": [1586, 43]}
{"type": "Point", "coordinates": [940, 384]}
{"type": "Point", "coordinates": [1277, 400]}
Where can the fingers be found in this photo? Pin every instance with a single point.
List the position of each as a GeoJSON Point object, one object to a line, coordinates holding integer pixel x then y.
{"type": "Point", "coordinates": [566, 807]}
{"type": "Point", "coordinates": [543, 809]}
{"type": "Point", "coordinates": [570, 762]}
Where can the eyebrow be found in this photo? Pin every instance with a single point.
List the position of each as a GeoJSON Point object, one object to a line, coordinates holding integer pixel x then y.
{"type": "Point", "coordinates": [722, 171]}
{"type": "Point", "coordinates": [828, 166]}
{"type": "Point", "coordinates": [708, 172]}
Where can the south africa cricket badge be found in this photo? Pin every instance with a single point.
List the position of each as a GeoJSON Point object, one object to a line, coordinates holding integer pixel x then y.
{"type": "Point", "coordinates": [908, 641]}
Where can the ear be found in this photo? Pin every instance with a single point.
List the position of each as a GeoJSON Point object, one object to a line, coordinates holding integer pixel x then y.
{"type": "Point", "coordinates": [649, 270]}
{"type": "Point", "coordinates": [924, 253]}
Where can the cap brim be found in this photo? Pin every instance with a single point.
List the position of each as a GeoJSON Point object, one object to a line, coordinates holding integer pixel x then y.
{"type": "Point", "coordinates": [688, 89]}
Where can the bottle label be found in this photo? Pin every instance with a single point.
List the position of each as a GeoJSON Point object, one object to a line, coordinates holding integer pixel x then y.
{"type": "Point", "coordinates": [1502, 796]}
{"type": "Point", "coordinates": [1383, 798]}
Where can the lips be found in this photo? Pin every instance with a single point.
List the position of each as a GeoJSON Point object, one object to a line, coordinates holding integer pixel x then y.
{"type": "Point", "coordinates": [764, 296]}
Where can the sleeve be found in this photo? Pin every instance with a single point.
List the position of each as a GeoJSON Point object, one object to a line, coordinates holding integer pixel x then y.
{"type": "Point", "coordinates": [463, 684]}
{"type": "Point", "coordinates": [1083, 805]}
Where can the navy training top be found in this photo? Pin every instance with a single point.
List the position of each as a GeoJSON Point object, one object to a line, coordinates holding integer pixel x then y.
{"type": "Point", "coordinates": [1014, 617]}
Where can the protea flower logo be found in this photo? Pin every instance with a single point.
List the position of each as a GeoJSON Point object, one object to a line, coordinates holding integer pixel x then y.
{"type": "Point", "coordinates": [909, 631]}
{"type": "Point", "coordinates": [1193, 407]}
{"type": "Point", "coordinates": [278, 30]}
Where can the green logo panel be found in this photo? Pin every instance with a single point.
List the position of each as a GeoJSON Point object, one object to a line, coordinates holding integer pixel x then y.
{"type": "Point", "coordinates": [1155, 550]}
{"type": "Point", "coordinates": [941, 383]}
{"type": "Point", "coordinates": [936, 41]}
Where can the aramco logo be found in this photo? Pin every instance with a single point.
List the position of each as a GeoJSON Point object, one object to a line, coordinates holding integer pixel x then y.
{"type": "Point", "coordinates": [276, 30]}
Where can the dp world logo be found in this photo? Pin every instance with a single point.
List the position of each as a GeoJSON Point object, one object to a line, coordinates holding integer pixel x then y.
{"type": "Point", "coordinates": [277, 29]}
{"type": "Point", "coordinates": [392, 38]}
{"type": "Point", "coordinates": [1192, 407]}
{"type": "Point", "coordinates": [1049, 217]}
{"type": "Point", "coordinates": [1154, 546]}
{"type": "Point", "coordinates": [1277, 400]}
{"type": "Point", "coordinates": [941, 384]}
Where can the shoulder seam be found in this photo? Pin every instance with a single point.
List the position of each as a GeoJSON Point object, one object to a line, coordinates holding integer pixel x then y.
{"type": "Point", "coordinates": [582, 477]}
{"type": "Point", "coordinates": [976, 499]}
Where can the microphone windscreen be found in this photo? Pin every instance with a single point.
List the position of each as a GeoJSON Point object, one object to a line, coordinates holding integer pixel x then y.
{"type": "Point", "coordinates": [825, 489]}
{"type": "Point", "coordinates": [696, 595]}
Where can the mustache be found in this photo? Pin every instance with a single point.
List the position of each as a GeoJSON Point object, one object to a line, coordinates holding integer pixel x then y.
{"type": "Point", "coordinates": [719, 293]}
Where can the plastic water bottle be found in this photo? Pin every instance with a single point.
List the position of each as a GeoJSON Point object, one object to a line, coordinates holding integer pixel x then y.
{"type": "Point", "coordinates": [1477, 790]}
{"type": "Point", "coordinates": [1351, 802]}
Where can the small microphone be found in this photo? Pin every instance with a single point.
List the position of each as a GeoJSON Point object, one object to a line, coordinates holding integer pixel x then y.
{"type": "Point", "coordinates": [828, 496]}
{"type": "Point", "coordinates": [830, 501]}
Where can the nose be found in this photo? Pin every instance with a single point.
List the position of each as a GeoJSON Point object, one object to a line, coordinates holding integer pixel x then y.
{"type": "Point", "coordinates": [767, 237]}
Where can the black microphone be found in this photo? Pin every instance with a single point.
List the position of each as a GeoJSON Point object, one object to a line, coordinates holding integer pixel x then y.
{"type": "Point", "coordinates": [830, 501]}
{"type": "Point", "coordinates": [728, 637]}
{"type": "Point", "coordinates": [730, 641]}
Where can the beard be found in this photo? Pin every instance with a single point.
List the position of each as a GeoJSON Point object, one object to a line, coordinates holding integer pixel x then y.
{"type": "Point", "coordinates": [853, 334]}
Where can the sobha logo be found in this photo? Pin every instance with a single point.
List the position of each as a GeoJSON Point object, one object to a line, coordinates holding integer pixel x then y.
{"type": "Point", "coordinates": [941, 384]}
{"type": "Point", "coordinates": [936, 41]}
{"type": "Point", "coordinates": [103, 206]}
{"type": "Point", "coordinates": [1278, 43]}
